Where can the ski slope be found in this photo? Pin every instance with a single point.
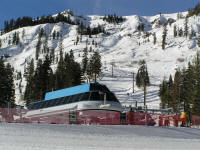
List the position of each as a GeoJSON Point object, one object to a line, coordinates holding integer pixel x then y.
{"type": "Point", "coordinates": [125, 46]}
{"type": "Point", "coordinates": [76, 137]}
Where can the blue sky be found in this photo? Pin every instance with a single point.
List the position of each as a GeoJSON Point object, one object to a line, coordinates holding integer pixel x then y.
{"type": "Point", "coordinates": [18, 8]}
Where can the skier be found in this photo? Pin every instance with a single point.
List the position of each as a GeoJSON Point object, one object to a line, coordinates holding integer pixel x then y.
{"type": "Point", "coordinates": [183, 119]}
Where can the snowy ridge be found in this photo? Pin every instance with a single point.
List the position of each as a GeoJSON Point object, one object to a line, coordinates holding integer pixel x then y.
{"type": "Point", "coordinates": [125, 46]}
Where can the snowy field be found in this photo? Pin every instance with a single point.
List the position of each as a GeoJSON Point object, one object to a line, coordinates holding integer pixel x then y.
{"type": "Point", "coordinates": [83, 137]}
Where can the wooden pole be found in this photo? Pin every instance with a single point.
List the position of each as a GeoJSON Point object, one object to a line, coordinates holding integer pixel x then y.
{"type": "Point", "coordinates": [144, 94]}
{"type": "Point", "coordinates": [133, 81]}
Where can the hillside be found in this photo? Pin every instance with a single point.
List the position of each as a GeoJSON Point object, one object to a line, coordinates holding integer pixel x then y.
{"type": "Point", "coordinates": [123, 45]}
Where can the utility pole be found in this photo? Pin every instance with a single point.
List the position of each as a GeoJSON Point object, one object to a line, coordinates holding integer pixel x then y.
{"type": "Point", "coordinates": [135, 104]}
{"type": "Point", "coordinates": [133, 81]}
{"type": "Point", "coordinates": [144, 94]}
{"type": "Point", "coordinates": [8, 107]}
{"type": "Point", "coordinates": [113, 64]}
{"type": "Point", "coordinates": [112, 70]}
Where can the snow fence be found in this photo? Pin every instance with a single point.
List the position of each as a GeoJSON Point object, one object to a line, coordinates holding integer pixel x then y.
{"type": "Point", "coordinates": [15, 115]}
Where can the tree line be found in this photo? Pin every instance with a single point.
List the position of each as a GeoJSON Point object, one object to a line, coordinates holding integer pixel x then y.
{"type": "Point", "coordinates": [87, 30]}
{"type": "Point", "coordinates": [68, 73]}
{"type": "Point", "coordinates": [182, 92]}
{"type": "Point", "coordinates": [194, 11]}
{"type": "Point", "coordinates": [29, 21]}
{"type": "Point", "coordinates": [113, 19]}
{"type": "Point", "coordinates": [42, 79]}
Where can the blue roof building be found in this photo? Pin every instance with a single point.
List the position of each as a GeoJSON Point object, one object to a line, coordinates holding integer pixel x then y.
{"type": "Point", "coordinates": [68, 91]}
{"type": "Point", "coordinates": [90, 91]}
{"type": "Point", "coordinates": [95, 86]}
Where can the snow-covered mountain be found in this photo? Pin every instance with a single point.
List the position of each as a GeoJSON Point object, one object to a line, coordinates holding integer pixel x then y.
{"type": "Point", "coordinates": [124, 45]}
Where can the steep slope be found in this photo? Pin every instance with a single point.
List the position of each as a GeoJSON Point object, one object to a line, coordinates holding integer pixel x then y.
{"type": "Point", "coordinates": [124, 46]}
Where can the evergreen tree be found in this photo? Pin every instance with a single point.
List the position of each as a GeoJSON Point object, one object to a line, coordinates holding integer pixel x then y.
{"type": "Point", "coordinates": [41, 33]}
{"type": "Point", "coordinates": [52, 55]}
{"type": "Point", "coordinates": [165, 93]}
{"type": "Point", "coordinates": [3, 103]}
{"type": "Point", "coordinates": [168, 93]}
{"type": "Point", "coordinates": [77, 40]}
{"type": "Point", "coordinates": [198, 40]}
{"type": "Point", "coordinates": [46, 75]}
{"type": "Point", "coordinates": [60, 46]}
{"type": "Point", "coordinates": [7, 89]}
{"type": "Point", "coordinates": [0, 43]}
{"type": "Point", "coordinates": [176, 91]}
{"type": "Point", "coordinates": [154, 38]}
{"type": "Point", "coordinates": [37, 82]}
{"type": "Point", "coordinates": [185, 91]}
{"type": "Point", "coordinates": [6, 27]}
{"type": "Point", "coordinates": [175, 31]}
{"type": "Point", "coordinates": [45, 45]}
{"type": "Point", "coordinates": [38, 48]}
{"type": "Point", "coordinates": [54, 34]}
{"type": "Point", "coordinates": [192, 33]}
{"type": "Point", "coordinates": [164, 36]}
{"type": "Point", "coordinates": [141, 27]}
{"type": "Point", "coordinates": [170, 86]}
{"type": "Point", "coordinates": [58, 35]}
{"type": "Point", "coordinates": [186, 27]}
{"type": "Point", "coordinates": [60, 72]}
{"type": "Point", "coordinates": [16, 39]}
{"type": "Point", "coordinates": [138, 79]}
{"type": "Point", "coordinates": [142, 78]}
{"type": "Point", "coordinates": [85, 60]}
{"type": "Point", "coordinates": [29, 90]}
{"type": "Point", "coordinates": [196, 100]}
{"type": "Point", "coordinates": [89, 70]}
{"type": "Point", "coordinates": [194, 11]}
{"type": "Point", "coordinates": [42, 78]}
{"type": "Point", "coordinates": [10, 95]}
{"type": "Point", "coordinates": [188, 89]}
{"type": "Point", "coordinates": [96, 65]}
{"type": "Point", "coordinates": [76, 70]}
{"type": "Point", "coordinates": [23, 34]}
{"type": "Point", "coordinates": [180, 32]}
{"type": "Point", "coordinates": [162, 93]}
{"type": "Point", "coordinates": [68, 72]}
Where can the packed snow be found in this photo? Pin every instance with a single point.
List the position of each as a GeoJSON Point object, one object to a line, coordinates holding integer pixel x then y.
{"type": "Point", "coordinates": [84, 137]}
{"type": "Point", "coordinates": [124, 47]}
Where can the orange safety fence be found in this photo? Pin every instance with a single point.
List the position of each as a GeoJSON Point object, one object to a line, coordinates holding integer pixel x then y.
{"type": "Point", "coordinates": [151, 119]}
{"type": "Point", "coordinates": [195, 120]}
{"type": "Point", "coordinates": [14, 115]}
{"type": "Point", "coordinates": [137, 118]}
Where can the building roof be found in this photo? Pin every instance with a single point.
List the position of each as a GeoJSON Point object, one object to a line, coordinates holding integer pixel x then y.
{"type": "Point", "coordinates": [68, 91]}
